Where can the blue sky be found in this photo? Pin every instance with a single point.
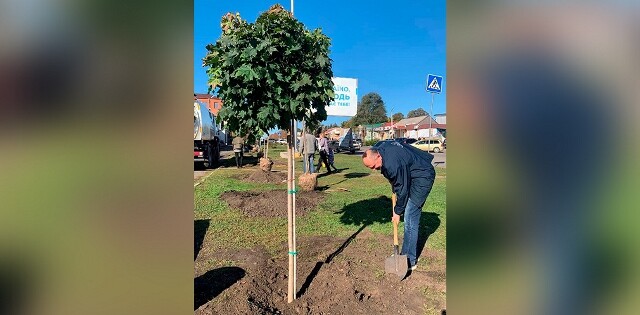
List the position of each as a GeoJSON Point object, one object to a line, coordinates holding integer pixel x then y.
{"type": "Point", "coordinates": [390, 47]}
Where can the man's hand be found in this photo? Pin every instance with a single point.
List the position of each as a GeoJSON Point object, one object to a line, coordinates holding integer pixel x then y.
{"type": "Point", "coordinates": [395, 218]}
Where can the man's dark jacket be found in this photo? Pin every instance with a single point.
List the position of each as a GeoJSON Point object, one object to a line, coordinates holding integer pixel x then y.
{"type": "Point", "coordinates": [409, 171]}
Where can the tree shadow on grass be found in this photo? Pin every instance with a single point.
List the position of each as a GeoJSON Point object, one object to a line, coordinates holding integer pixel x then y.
{"type": "Point", "coordinates": [18, 279]}
{"type": "Point", "coordinates": [325, 187]}
{"type": "Point", "coordinates": [247, 160]}
{"type": "Point", "coordinates": [213, 282]}
{"type": "Point", "coordinates": [329, 258]}
{"type": "Point", "coordinates": [366, 212]}
{"type": "Point", "coordinates": [361, 213]}
{"type": "Point", "coordinates": [356, 175]}
{"type": "Point", "coordinates": [199, 230]}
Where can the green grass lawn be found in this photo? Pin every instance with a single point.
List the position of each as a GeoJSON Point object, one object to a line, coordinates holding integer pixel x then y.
{"type": "Point", "coordinates": [341, 214]}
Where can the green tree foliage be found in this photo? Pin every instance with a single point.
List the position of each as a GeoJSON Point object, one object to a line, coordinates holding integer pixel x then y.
{"type": "Point", "coordinates": [371, 110]}
{"type": "Point", "coordinates": [348, 123]}
{"type": "Point", "coordinates": [416, 113]}
{"type": "Point", "coordinates": [397, 117]}
{"type": "Point", "coordinates": [269, 72]}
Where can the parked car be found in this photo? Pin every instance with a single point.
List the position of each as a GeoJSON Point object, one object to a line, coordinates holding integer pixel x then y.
{"type": "Point", "coordinates": [357, 143]}
{"type": "Point", "coordinates": [281, 141]}
{"type": "Point", "coordinates": [382, 141]}
{"type": "Point", "coordinates": [435, 145]}
{"type": "Point", "coordinates": [405, 140]}
{"type": "Point", "coordinates": [346, 143]}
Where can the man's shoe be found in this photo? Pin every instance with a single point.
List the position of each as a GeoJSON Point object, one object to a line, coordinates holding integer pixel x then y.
{"type": "Point", "coordinates": [413, 268]}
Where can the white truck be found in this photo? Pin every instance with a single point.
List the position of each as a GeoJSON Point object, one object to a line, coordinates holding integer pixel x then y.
{"type": "Point", "coordinates": [206, 141]}
{"type": "Point", "coordinates": [346, 143]}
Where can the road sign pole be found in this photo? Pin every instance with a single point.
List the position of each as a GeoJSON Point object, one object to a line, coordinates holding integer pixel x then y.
{"type": "Point", "coordinates": [434, 85]}
{"type": "Point", "coordinates": [431, 115]}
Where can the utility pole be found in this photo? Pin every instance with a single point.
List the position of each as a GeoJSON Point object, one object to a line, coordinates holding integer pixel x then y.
{"type": "Point", "coordinates": [392, 133]}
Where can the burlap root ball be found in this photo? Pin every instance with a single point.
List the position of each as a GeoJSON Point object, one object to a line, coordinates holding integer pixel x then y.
{"type": "Point", "coordinates": [265, 164]}
{"type": "Point", "coordinates": [308, 182]}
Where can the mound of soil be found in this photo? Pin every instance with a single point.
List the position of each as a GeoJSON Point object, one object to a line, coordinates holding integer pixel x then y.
{"type": "Point", "coordinates": [270, 203]}
{"type": "Point", "coordinates": [335, 276]}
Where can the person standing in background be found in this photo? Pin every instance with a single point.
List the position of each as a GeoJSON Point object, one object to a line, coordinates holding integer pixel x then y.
{"type": "Point", "coordinates": [330, 158]}
{"type": "Point", "coordinates": [238, 150]}
{"type": "Point", "coordinates": [323, 145]}
{"type": "Point", "coordinates": [309, 148]}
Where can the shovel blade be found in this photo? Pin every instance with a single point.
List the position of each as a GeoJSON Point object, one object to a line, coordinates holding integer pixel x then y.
{"type": "Point", "coordinates": [396, 264]}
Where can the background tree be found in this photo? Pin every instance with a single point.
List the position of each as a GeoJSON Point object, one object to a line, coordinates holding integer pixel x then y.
{"type": "Point", "coordinates": [348, 123]}
{"type": "Point", "coordinates": [313, 127]}
{"type": "Point", "coordinates": [397, 117]}
{"type": "Point", "coordinates": [371, 110]}
{"type": "Point", "coordinates": [416, 113]}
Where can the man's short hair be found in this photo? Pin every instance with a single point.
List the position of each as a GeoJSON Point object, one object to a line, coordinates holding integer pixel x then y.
{"type": "Point", "coordinates": [373, 150]}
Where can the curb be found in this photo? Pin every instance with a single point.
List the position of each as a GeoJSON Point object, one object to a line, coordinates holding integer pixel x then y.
{"type": "Point", "coordinates": [202, 179]}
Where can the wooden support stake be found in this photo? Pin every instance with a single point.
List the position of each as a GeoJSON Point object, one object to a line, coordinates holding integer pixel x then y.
{"type": "Point", "coordinates": [294, 137]}
{"type": "Point", "coordinates": [291, 289]}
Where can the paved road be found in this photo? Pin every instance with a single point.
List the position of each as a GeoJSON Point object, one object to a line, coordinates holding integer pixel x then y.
{"type": "Point", "coordinates": [199, 171]}
{"type": "Point", "coordinates": [198, 174]}
{"type": "Point", "coordinates": [439, 159]}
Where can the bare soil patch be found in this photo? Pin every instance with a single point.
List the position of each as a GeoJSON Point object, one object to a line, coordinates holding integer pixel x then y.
{"type": "Point", "coordinates": [271, 203]}
{"type": "Point", "coordinates": [335, 276]}
{"type": "Point", "coordinates": [260, 176]}
{"type": "Point", "coordinates": [263, 177]}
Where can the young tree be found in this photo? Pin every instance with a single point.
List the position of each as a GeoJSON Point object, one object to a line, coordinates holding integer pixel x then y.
{"type": "Point", "coordinates": [268, 74]}
{"type": "Point", "coordinates": [416, 113]}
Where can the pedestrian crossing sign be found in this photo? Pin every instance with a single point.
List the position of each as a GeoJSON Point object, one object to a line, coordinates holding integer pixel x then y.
{"type": "Point", "coordinates": [434, 83]}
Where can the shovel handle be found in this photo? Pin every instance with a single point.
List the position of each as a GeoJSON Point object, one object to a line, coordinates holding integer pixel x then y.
{"type": "Point", "coordinates": [395, 224]}
{"type": "Point", "coordinates": [395, 234]}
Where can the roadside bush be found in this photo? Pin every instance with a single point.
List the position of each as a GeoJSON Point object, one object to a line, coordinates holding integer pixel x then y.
{"type": "Point", "coordinates": [370, 142]}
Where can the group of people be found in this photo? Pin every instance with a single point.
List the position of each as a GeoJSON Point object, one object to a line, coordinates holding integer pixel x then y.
{"type": "Point", "coordinates": [408, 170]}
{"type": "Point", "coordinates": [309, 145]}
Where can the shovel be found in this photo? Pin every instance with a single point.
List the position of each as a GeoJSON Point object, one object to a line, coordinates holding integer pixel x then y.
{"type": "Point", "coordinates": [396, 263]}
